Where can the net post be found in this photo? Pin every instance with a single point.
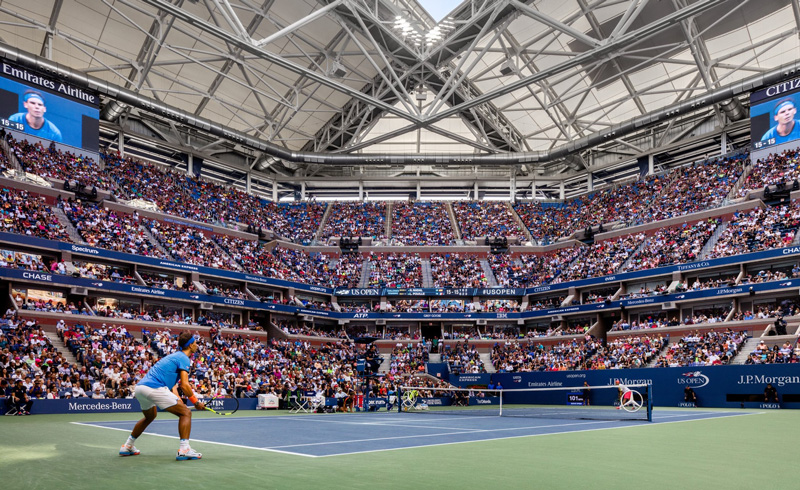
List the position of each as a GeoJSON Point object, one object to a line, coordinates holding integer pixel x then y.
{"type": "Point", "coordinates": [501, 403]}
{"type": "Point", "coordinates": [399, 398]}
{"type": "Point", "coordinates": [649, 402]}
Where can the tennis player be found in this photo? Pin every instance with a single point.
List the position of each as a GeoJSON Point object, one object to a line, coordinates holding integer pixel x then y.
{"type": "Point", "coordinates": [158, 389]}
{"type": "Point", "coordinates": [624, 394]}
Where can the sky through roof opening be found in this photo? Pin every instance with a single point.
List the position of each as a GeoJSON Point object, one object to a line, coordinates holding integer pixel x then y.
{"type": "Point", "coordinates": [439, 8]}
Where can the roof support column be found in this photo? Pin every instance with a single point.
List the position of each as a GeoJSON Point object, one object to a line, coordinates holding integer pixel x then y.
{"type": "Point", "coordinates": [651, 165]}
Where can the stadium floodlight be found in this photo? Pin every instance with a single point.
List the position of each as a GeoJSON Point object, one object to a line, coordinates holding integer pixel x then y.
{"type": "Point", "coordinates": [337, 70]}
{"type": "Point", "coordinates": [508, 67]}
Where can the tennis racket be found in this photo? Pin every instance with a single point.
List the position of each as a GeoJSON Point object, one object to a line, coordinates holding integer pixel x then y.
{"type": "Point", "coordinates": [230, 406]}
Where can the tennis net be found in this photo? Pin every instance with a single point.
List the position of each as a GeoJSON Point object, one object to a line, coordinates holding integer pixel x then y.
{"type": "Point", "coordinates": [574, 402]}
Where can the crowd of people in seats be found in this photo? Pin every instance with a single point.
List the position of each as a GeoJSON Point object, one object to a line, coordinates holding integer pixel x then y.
{"type": "Point", "coordinates": [602, 258]}
{"type": "Point", "coordinates": [178, 194]}
{"type": "Point", "coordinates": [421, 223]}
{"type": "Point", "coordinates": [356, 219]}
{"type": "Point", "coordinates": [535, 304]}
{"type": "Point", "coordinates": [628, 352]}
{"type": "Point", "coordinates": [395, 270]}
{"type": "Point", "coordinates": [696, 187]}
{"type": "Point", "coordinates": [785, 353]}
{"type": "Point", "coordinates": [399, 333]}
{"type": "Point", "coordinates": [645, 291]}
{"type": "Point", "coordinates": [50, 162]}
{"type": "Point", "coordinates": [279, 262]}
{"type": "Point", "coordinates": [24, 213]}
{"type": "Point", "coordinates": [315, 304]}
{"type": "Point", "coordinates": [517, 357]}
{"type": "Point", "coordinates": [409, 359]}
{"type": "Point", "coordinates": [678, 245]}
{"type": "Point", "coordinates": [99, 271]}
{"type": "Point", "coordinates": [160, 281]}
{"type": "Point", "coordinates": [700, 283]}
{"type": "Point", "coordinates": [772, 169]}
{"type": "Point", "coordinates": [769, 275]}
{"type": "Point", "coordinates": [346, 272]}
{"type": "Point", "coordinates": [408, 306]}
{"type": "Point", "coordinates": [758, 229]}
{"type": "Point", "coordinates": [703, 348]}
{"type": "Point", "coordinates": [507, 272]}
{"type": "Point", "coordinates": [109, 229]}
{"type": "Point", "coordinates": [577, 329]}
{"type": "Point", "coordinates": [548, 268]}
{"type": "Point", "coordinates": [548, 221]}
{"type": "Point", "coordinates": [487, 219]}
{"type": "Point", "coordinates": [221, 289]}
{"type": "Point", "coordinates": [463, 358]}
{"type": "Point", "coordinates": [457, 270]}
{"type": "Point", "coordinates": [297, 222]}
{"type": "Point", "coordinates": [189, 245]}
{"type": "Point", "coordinates": [308, 330]}
{"type": "Point", "coordinates": [26, 354]}
{"type": "Point", "coordinates": [499, 306]}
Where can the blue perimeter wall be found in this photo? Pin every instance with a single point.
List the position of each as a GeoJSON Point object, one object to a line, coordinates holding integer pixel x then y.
{"type": "Point", "coordinates": [711, 384]}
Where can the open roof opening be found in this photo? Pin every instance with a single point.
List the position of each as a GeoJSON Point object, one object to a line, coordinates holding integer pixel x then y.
{"type": "Point", "coordinates": [439, 8]}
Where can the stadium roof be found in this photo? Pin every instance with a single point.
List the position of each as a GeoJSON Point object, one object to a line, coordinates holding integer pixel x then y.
{"type": "Point", "coordinates": [382, 77]}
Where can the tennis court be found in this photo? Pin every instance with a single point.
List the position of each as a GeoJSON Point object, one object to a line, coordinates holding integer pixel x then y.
{"type": "Point", "coordinates": [681, 447]}
{"type": "Point", "coordinates": [323, 435]}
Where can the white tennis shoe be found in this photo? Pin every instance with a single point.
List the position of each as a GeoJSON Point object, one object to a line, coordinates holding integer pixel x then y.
{"type": "Point", "coordinates": [128, 451]}
{"type": "Point", "coordinates": [188, 454]}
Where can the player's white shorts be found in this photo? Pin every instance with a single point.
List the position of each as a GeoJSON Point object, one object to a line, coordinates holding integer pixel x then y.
{"type": "Point", "coordinates": [149, 397]}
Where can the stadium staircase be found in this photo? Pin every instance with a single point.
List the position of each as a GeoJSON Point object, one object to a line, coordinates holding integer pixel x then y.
{"type": "Point", "coordinates": [67, 224]}
{"type": "Point", "coordinates": [734, 193]}
{"type": "Point", "coordinates": [325, 215]}
{"type": "Point", "coordinates": [487, 271]}
{"type": "Point", "coordinates": [486, 359]}
{"type": "Point", "coordinates": [627, 262]}
{"type": "Point", "coordinates": [453, 221]}
{"type": "Point", "coordinates": [155, 241]}
{"type": "Point", "coordinates": [388, 229]}
{"type": "Point", "coordinates": [61, 347]}
{"type": "Point", "coordinates": [225, 255]}
{"type": "Point", "coordinates": [519, 221]}
{"type": "Point", "coordinates": [427, 276]}
{"type": "Point", "coordinates": [365, 268]}
{"type": "Point", "coordinates": [749, 346]}
{"type": "Point", "coordinates": [712, 241]}
{"type": "Point", "coordinates": [12, 158]}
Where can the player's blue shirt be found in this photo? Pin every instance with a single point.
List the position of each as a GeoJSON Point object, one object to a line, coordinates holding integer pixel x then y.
{"type": "Point", "coordinates": [166, 371]}
{"type": "Point", "coordinates": [773, 133]}
{"type": "Point", "coordinates": [48, 131]}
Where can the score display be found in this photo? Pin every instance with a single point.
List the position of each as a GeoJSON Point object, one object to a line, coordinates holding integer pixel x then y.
{"type": "Point", "coordinates": [44, 107]}
{"type": "Point", "coordinates": [773, 115]}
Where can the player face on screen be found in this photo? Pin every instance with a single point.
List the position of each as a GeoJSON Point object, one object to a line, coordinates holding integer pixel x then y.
{"type": "Point", "coordinates": [784, 116]}
{"type": "Point", "coordinates": [34, 104]}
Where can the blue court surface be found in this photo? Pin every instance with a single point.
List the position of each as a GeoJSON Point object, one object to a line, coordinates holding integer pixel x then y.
{"type": "Point", "coordinates": [322, 435]}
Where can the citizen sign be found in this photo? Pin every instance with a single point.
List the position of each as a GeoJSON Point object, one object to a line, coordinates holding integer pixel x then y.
{"type": "Point", "coordinates": [231, 301]}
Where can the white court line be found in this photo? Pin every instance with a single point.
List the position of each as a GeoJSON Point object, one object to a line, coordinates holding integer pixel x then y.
{"type": "Point", "coordinates": [533, 435]}
{"type": "Point", "coordinates": [274, 448]}
{"type": "Point", "coordinates": [203, 441]}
